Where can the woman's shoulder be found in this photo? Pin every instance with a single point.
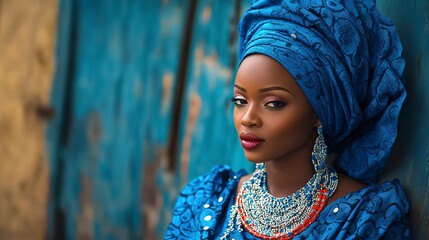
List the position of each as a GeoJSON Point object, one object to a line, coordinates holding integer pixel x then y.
{"type": "Point", "coordinates": [218, 178]}
{"type": "Point", "coordinates": [391, 193]}
{"type": "Point", "coordinates": [384, 197]}
{"type": "Point", "coordinates": [346, 185]}
{"type": "Point", "coordinates": [202, 202]}
{"type": "Point", "coordinates": [379, 201]}
{"type": "Point", "coordinates": [370, 212]}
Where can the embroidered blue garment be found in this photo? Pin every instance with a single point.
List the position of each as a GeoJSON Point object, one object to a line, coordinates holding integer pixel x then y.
{"type": "Point", "coordinates": [376, 212]}
{"type": "Point", "coordinates": [346, 57]}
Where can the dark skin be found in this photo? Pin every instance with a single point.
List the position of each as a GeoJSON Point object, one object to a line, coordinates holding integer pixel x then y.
{"type": "Point", "coordinates": [271, 105]}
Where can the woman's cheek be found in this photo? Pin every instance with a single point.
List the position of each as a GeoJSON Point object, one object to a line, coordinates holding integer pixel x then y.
{"type": "Point", "coordinates": [237, 119]}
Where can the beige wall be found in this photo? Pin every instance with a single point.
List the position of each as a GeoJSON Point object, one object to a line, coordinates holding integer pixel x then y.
{"type": "Point", "coordinates": [27, 43]}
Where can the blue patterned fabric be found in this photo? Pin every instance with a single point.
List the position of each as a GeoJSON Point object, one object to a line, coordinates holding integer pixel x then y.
{"type": "Point", "coordinates": [375, 212]}
{"type": "Point", "coordinates": [346, 57]}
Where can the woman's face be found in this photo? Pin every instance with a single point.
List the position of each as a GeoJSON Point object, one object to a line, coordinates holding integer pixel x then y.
{"type": "Point", "coordinates": [272, 116]}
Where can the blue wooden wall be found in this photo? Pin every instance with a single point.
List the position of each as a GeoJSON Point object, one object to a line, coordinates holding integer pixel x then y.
{"type": "Point", "coordinates": [141, 96]}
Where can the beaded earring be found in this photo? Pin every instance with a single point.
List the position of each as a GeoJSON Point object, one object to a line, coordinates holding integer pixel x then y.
{"type": "Point", "coordinates": [320, 151]}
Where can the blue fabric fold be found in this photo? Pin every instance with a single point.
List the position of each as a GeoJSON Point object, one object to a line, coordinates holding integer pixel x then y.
{"type": "Point", "coordinates": [346, 57]}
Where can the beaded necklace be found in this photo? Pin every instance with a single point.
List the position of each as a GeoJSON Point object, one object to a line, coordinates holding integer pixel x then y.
{"type": "Point", "coordinates": [268, 217]}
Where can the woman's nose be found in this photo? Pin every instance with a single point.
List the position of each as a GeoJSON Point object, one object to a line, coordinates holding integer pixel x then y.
{"type": "Point", "coordinates": [251, 118]}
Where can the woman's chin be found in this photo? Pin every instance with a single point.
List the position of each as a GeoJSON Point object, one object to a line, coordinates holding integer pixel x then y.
{"type": "Point", "coordinates": [254, 159]}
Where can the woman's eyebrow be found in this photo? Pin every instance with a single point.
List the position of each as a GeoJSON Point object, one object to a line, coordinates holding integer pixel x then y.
{"type": "Point", "coordinates": [273, 88]}
{"type": "Point", "coordinates": [240, 88]}
{"type": "Point", "coordinates": [264, 89]}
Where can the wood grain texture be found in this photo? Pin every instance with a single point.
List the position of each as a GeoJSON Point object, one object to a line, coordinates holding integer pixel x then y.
{"type": "Point", "coordinates": [27, 39]}
{"type": "Point", "coordinates": [410, 158]}
{"type": "Point", "coordinates": [114, 90]}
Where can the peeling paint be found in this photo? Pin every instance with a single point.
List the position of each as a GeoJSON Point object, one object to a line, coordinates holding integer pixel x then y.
{"type": "Point", "coordinates": [193, 114]}
{"type": "Point", "coordinates": [167, 85]}
{"type": "Point", "coordinates": [93, 130]}
{"type": "Point", "coordinates": [199, 57]}
{"type": "Point", "coordinates": [207, 13]}
{"type": "Point", "coordinates": [151, 195]}
{"type": "Point", "coordinates": [215, 70]}
{"type": "Point", "coordinates": [199, 53]}
{"type": "Point", "coordinates": [215, 67]}
{"type": "Point", "coordinates": [86, 215]}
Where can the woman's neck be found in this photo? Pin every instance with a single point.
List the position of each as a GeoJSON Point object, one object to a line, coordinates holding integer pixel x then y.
{"type": "Point", "coordinates": [285, 177]}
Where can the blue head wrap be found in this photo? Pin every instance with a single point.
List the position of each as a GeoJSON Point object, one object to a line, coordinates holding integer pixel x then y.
{"type": "Point", "coordinates": [346, 57]}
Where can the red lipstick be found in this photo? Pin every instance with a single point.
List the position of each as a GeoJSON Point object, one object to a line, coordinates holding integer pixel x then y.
{"type": "Point", "coordinates": [250, 141]}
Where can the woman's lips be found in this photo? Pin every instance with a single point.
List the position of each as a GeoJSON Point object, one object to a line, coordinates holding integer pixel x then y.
{"type": "Point", "coordinates": [250, 141]}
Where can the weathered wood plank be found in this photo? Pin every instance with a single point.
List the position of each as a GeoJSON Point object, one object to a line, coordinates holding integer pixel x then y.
{"type": "Point", "coordinates": [27, 38]}
{"type": "Point", "coordinates": [117, 90]}
{"type": "Point", "coordinates": [410, 158]}
{"type": "Point", "coordinates": [164, 58]}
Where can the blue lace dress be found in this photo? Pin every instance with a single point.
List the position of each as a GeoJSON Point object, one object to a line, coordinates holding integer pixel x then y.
{"type": "Point", "coordinates": [376, 212]}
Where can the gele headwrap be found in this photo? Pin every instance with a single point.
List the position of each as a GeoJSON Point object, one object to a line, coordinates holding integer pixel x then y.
{"type": "Point", "coordinates": [346, 57]}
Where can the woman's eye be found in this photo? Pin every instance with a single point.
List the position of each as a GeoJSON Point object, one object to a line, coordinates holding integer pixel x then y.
{"type": "Point", "coordinates": [275, 104]}
{"type": "Point", "coordinates": [238, 101]}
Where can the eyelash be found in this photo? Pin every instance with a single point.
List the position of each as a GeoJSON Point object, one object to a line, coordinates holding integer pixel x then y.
{"type": "Point", "coordinates": [280, 104]}
{"type": "Point", "coordinates": [277, 103]}
{"type": "Point", "coordinates": [235, 101]}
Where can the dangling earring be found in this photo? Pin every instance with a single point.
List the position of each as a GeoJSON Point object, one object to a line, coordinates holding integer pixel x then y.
{"type": "Point", "coordinates": [320, 151]}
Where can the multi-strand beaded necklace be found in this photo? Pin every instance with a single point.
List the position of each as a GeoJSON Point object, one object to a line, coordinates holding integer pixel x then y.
{"type": "Point", "coordinates": [269, 217]}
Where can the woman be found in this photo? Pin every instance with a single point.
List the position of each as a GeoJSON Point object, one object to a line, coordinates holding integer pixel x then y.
{"type": "Point", "coordinates": [315, 77]}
